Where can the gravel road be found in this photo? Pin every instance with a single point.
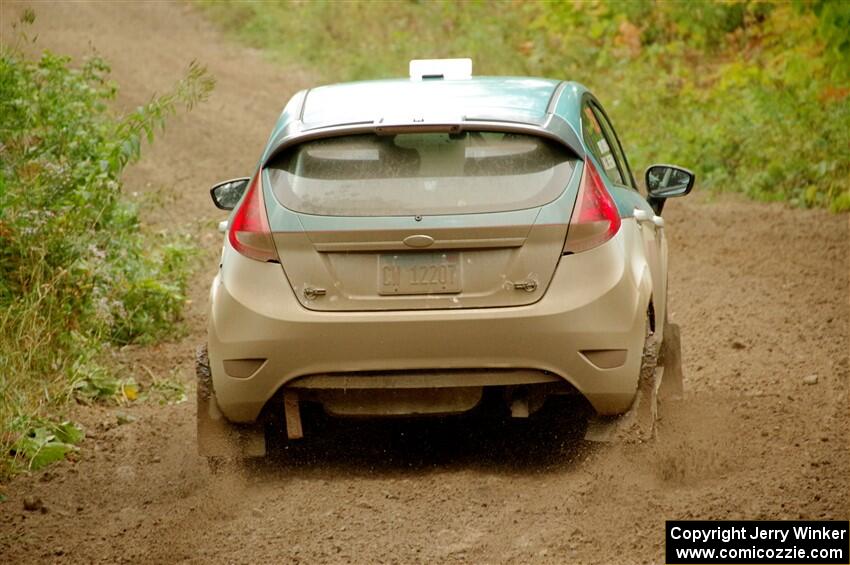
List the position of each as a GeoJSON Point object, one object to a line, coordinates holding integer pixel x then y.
{"type": "Point", "coordinates": [760, 291]}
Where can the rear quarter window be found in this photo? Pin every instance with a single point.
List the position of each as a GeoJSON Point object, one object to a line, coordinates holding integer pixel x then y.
{"type": "Point", "coordinates": [599, 144]}
{"type": "Point", "coordinates": [421, 174]}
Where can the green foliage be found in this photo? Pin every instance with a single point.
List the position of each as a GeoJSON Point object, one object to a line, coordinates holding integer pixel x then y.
{"type": "Point", "coordinates": [41, 442]}
{"type": "Point", "coordinates": [834, 29]}
{"type": "Point", "coordinates": [755, 96]}
{"type": "Point", "coordinates": [97, 384]}
{"type": "Point", "coordinates": [165, 391]}
{"type": "Point", "coordinates": [76, 269]}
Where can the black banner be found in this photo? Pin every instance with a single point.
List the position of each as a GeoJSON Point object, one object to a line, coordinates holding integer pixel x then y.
{"type": "Point", "coordinates": [693, 542]}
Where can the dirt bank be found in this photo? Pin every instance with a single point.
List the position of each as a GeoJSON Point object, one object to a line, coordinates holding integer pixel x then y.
{"type": "Point", "coordinates": [761, 293]}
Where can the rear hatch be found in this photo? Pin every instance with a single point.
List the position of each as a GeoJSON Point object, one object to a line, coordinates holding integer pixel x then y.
{"type": "Point", "coordinates": [421, 220]}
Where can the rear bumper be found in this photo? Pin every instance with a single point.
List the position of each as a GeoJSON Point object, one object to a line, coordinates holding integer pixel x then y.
{"type": "Point", "coordinates": [596, 301]}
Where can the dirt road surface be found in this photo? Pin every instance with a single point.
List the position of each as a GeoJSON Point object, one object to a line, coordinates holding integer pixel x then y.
{"type": "Point", "coordinates": [761, 293]}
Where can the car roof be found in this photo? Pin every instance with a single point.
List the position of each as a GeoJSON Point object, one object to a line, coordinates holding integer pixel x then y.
{"type": "Point", "coordinates": [536, 106]}
{"type": "Point", "coordinates": [516, 99]}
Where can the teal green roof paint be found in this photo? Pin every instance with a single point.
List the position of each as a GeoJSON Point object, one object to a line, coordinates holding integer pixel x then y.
{"type": "Point", "coordinates": [527, 101]}
{"type": "Point", "coordinates": [500, 98]}
{"type": "Point", "coordinates": [523, 99]}
{"type": "Point", "coordinates": [569, 104]}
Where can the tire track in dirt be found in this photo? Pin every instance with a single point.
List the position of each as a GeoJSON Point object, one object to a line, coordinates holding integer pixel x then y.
{"type": "Point", "coordinates": [761, 292]}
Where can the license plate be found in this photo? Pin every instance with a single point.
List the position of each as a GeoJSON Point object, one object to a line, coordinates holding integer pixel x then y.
{"type": "Point", "coordinates": [419, 273]}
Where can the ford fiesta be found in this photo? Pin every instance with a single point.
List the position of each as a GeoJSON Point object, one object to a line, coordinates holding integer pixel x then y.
{"type": "Point", "coordinates": [408, 247]}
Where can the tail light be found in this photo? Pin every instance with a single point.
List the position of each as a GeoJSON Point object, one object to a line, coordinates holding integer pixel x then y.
{"type": "Point", "coordinates": [595, 218]}
{"type": "Point", "coordinates": [249, 231]}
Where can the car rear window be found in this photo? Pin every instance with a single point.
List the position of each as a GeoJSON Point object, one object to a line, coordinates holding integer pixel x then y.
{"type": "Point", "coordinates": [421, 174]}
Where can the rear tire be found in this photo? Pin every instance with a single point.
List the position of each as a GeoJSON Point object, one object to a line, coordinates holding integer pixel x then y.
{"type": "Point", "coordinates": [637, 424]}
{"type": "Point", "coordinates": [670, 357]}
{"type": "Point", "coordinates": [203, 375]}
{"type": "Point", "coordinates": [218, 439]}
{"type": "Point", "coordinates": [647, 400]}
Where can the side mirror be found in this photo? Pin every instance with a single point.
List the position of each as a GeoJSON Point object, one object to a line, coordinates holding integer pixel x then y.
{"type": "Point", "coordinates": [226, 195]}
{"type": "Point", "coordinates": [668, 181]}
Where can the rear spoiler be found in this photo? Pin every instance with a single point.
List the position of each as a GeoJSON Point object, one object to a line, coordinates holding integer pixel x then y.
{"type": "Point", "coordinates": [554, 127]}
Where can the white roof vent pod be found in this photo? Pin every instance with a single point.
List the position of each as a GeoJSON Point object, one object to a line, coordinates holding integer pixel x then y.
{"type": "Point", "coordinates": [447, 69]}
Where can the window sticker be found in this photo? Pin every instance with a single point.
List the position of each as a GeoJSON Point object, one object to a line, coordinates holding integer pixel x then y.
{"type": "Point", "coordinates": [608, 162]}
{"type": "Point", "coordinates": [603, 146]}
{"type": "Point", "coordinates": [589, 113]}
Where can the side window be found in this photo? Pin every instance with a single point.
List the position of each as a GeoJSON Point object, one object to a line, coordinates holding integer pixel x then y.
{"type": "Point", "coordinates": [614, 142]}
{"type": "Point", "coordinates": [597, 141]}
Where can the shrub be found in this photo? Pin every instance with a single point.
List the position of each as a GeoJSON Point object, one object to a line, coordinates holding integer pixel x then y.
{"type": "Point", "coordinates": [76, 269]}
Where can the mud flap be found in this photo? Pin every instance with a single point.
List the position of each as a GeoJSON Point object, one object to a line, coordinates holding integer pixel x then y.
{"type": "Point", "coordinates": [216, 436]}
{"type": "Point", "coordinates": [660, 382]}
